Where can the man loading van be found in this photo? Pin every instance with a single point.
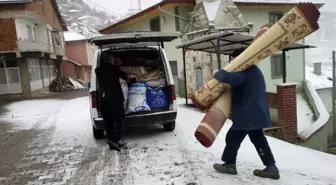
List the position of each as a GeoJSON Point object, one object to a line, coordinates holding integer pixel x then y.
{"type": "Point", "coordinates": [113, 113]}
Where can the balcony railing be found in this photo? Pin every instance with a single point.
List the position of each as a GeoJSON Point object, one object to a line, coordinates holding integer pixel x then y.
{"type": "Point", "coordinates": [26, 45]}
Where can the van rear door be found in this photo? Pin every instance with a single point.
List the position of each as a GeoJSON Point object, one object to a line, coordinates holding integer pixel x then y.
{"type": "Point", "coordinates": [134, 37]}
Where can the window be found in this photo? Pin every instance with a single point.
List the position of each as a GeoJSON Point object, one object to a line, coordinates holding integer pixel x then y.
{"type": "Point", "coordinates": [2, 73]}
{"type": "Point", "coordinates": [194, 59]}
{"type": "Point", "coordinates": [42, 7]}
{"type": "Point", "coordinates": [34, 33]}
{"type": "Point", "coordinates": [155, 24]}
{"type": "Point", "coordinates": [275, 17]}
{"type": "Point", "coordinates": [11, 63]}
{"type": "Point", "coordinates": [276, 66]}
{"type": "Point", "coordinates": [29, 32]}
{"type": "Point", "coordinates": [177, 20]}
{"type": "Point", "coordinates": [34, 69]}
{"type": "Point", "coordinates": [52, 69]}
{"type": "Point", "coordinates": [45, 69]}
{"type": "Point", "coordinates": [13, 76]}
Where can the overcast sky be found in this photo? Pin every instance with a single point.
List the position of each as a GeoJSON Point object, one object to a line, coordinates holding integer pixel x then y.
{"type": "Point", "coordinates": [122, 6]}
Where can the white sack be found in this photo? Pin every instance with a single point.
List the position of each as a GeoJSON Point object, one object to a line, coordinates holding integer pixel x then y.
{"type": "Point", "coordinates": [137, 98]}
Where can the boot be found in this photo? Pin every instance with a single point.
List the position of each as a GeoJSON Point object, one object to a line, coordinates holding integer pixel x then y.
{"type": "Point", "coordinates": [270, 172]}
{"type": "Point", "coordinates": [226, 168]}
{"type": "Point", "coordinates": [113, 146]}
{"type": "Point", "coordinates": [122, 143]}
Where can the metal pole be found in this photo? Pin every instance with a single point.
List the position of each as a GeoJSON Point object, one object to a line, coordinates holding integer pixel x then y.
{"type": "Point", "coordinates": [185, 75]}
{"type": "Point", "coordinates": [284, 69]}
{"type": "Point", "coordinates": [218, 54]}
{"type": "Point", "coordinates": [333, 95]}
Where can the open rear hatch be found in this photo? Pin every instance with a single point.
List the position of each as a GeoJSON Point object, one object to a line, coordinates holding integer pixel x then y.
{"type": "Point", "coordinates": [120, 40]}
{"type": "Point", "coordinates": [135, 37]}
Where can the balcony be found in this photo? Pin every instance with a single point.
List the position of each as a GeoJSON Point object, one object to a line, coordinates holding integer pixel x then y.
{"type": "Point", "coordinates": [59, 51]}
{"type": "Point", "coordinates": [29, 46]}
{"type": "Point", "coordinates": [22, 14]}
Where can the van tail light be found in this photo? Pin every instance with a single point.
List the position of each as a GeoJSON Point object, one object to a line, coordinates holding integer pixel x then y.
{"type": "Point", "coordinates": [172, 92]}
{"type": "Point", "coordinates": [93, 99]}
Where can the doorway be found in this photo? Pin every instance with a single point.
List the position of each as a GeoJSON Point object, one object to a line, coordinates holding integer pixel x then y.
{"type": "Point", "coordinates": [10, 82]}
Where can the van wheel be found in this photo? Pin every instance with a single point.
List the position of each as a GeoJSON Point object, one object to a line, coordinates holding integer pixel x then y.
{"type": "Point", "coordinates": [169, 127]}
{"type": "Point", "coordinates": [97, 133]}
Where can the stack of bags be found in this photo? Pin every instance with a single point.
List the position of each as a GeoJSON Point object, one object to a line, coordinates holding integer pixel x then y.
{"type": "Point", "coordinates": [147, 92]}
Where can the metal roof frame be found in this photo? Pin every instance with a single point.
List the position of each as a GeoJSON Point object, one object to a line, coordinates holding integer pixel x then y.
{"type": "Point", "coordinates": [225, 42]}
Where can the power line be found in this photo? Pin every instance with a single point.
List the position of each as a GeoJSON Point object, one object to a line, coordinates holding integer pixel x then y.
{"type": "Point", "coordinates": [104, 8]}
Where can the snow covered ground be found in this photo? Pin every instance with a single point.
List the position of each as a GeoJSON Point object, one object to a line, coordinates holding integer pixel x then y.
{"type": "Point", "coordinates": [319, 81]}
{"type": "Point", "coordinates": [155, 157]}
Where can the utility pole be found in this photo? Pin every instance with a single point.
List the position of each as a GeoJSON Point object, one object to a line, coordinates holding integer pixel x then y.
{"type": "Point", "coordinates": [334, 94]}
{"type": "Point", "coordinates": [133, 10]}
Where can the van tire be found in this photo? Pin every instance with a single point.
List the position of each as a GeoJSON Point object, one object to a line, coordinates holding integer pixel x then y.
{"type": "Point", "coordinates": [97, 133]}
{"type": "Point", "coordinates": [169, 127]}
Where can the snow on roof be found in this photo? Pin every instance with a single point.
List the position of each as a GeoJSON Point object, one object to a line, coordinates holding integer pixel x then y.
{"type": "Point", "coordinates": [73, 36]}
{"type": "Point", "coordinates": [319, 81]}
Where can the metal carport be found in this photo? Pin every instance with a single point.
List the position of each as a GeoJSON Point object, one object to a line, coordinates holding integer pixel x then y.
{"type": "Point", "coordinates": [225, 42]}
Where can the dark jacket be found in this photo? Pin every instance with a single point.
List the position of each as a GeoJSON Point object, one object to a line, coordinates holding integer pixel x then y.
{"type": "Point", "coordinates": [108, 80]}
{"type": "Point", "coordinates": [249, 105]}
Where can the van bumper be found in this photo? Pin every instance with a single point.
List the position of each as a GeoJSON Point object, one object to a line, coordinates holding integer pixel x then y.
{"type": "Point", "coordinates": [142, 119]}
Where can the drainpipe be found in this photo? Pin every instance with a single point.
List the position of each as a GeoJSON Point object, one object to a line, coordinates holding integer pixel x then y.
{"type": "Point", "coordinates": [174, 15]}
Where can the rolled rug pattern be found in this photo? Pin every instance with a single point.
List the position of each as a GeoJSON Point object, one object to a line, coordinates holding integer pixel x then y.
{"type": "Point", "coordinates": [214, 120]}
{"type": "Point", "coordinates": [293, 26]}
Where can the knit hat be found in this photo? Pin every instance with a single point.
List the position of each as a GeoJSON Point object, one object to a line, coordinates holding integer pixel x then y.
{"type": "Point", "coordinates": [237, 52]}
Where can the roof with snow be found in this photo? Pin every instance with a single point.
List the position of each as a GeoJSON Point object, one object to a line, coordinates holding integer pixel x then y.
{"type": "Point", "coordinates": [74, 36]}
{"type": "Point", "coordinates": [53, 3]}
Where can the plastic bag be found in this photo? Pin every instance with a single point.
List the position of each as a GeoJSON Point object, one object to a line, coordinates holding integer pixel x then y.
{"type": "Point", "coordinates": [156, 83]}
{"type": "Point", "coordinates": [124, 87]}
{"type": "Point", "coordinates": [157, 97]}
{"type": "Point", "coordinates": [137, 98]}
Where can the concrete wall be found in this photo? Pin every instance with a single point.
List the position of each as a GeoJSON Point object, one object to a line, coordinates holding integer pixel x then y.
{"type": "Point", "coordinates": [80, 51]}
{"type": "Point", "coordinates": [325, 95]}
{"type": "Point", "coordinates": [68, 70]}
{"type": "Point", "coordinates": [316, 136]}
{"type": "Point", "coordinates": [318, 141]}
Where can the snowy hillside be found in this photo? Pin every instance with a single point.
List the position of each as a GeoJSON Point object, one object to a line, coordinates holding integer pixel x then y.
{"type": "Point", "coordinates": [84, 18]}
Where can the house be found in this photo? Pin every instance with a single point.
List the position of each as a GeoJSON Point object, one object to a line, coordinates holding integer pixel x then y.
{"type": "Point", "coordinates": [31, 45]}
{"type": "Point", "coordinates": [80, 53]}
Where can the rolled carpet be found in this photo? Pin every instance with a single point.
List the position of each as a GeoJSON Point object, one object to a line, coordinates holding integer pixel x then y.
{"type": "Point", "coordinates": [217, 97]}
{"type": "Point", "coordinates": [293, 26]}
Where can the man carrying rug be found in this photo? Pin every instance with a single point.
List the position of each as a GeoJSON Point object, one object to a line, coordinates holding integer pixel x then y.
{"type": "Point", "coordinates": [250, 115]}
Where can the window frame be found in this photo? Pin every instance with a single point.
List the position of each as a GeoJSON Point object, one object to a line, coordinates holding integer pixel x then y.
{"type": "Point", "coordinates": [273, 14]}
{"type": "Point", "coordinates": [275, 74]}
{"type": "Point", "coordinates": [157, 18]}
